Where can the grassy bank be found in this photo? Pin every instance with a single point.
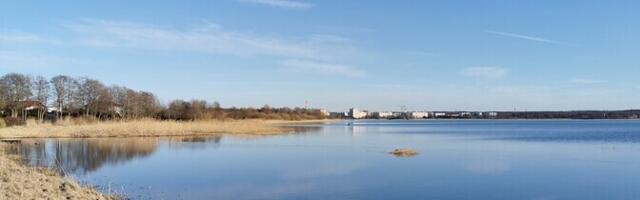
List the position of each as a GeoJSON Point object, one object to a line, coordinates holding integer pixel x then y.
{"type": "Point", "coordinates": [20, 182]}
{"type": "Point", "coordinates": [142, 128]}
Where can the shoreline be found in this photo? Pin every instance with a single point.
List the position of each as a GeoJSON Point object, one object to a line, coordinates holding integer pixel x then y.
{"type": "Point", "coordinates": [18, 181]}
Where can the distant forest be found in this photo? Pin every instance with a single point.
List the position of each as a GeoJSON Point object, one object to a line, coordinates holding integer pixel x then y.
{"type": "Point", "coordinates": [24, 96]}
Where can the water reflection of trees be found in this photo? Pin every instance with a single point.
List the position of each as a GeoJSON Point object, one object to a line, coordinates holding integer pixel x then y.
{"type": "Point", "coordinates": [83, 156]}
{"type": "Point", "coordinates": [307, 129]}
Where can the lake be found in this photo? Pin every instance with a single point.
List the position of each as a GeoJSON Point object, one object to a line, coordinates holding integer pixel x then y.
{"type": "Point", "coordinates": [458, 159]}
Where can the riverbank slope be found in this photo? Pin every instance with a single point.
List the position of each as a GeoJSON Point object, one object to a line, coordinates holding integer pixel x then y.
{"type": "Point", "coordinates": [18, 181]}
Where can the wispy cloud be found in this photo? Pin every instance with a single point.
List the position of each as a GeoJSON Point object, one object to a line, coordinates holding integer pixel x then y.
{"type": "Point", "coordinates": [12, 60]}
{"type": "Point", "coordinates": [521, 36]}
{"type": "Point", "coordinates": [207, 38]}
{"type": "Point", "coordinates": [485, 72]}
{"type": "Point", "coordinates": [321, 53]}
{"type": "Point", "coordinates": [15, 36]}
{"type": "Point", "coordinates": [586, 81]}
{"type": "Point", "coordinates": [322, 68]}
{"type": "Point", "coordinates": [281, 3]}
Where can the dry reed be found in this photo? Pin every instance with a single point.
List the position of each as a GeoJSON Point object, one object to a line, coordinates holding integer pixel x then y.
{"type": "Point", "coordinates": [140, 128]}
{"type": "Point", "coordinates": [20, 182]}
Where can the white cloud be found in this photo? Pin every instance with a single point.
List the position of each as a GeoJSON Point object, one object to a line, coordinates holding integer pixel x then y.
{"type": "Point", "coordinates": [326, 51]}
{"type": "Point", "coordinates": [281, 3]}
{"type": "Point", "coordinates": [12, 60]}
{"type": "Point", "coordinates": [14, 36]}
{"type": "Point", "coordinates": [586, 81]}
{"type": "Point", "coordinates": [208, 38]}
{"type": "Point", "coordinates": [485, 72]}
{"type": "Point", "coordinates": [322, 68]}
{"type": "Point", "coordinates": [524, 37]}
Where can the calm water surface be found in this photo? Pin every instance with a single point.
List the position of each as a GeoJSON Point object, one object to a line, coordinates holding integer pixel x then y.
{"type": "Point", "coordinates": [460, 159]}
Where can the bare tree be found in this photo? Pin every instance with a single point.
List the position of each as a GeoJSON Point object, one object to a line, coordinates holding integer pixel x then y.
{"type": "Point", "coordinates": [42, 91]}
{"type": "Point", "coordinates": [148, 104]}
{"type": "Point", "coordinates": [119, 100]}
{"type": "Point", "coordinates": [16, 90]}
{"type": "Point", "coordinates": [2, 99]}
{"type": "Point", "coordinates": [91, 93]}
{"type": "Point", "coordinates": [63, 88]}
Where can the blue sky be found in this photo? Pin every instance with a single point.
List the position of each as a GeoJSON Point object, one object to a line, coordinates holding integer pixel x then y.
{"type": "Point", "coordinates": [375, 54]}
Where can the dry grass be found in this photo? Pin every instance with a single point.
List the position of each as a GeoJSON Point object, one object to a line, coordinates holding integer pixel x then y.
{"type": "Point", "coordinates": [140, 128]}
{"type": "Point", "coordinates": [20, 182]}
{"type": "Point", "coordinates": [404, 152]}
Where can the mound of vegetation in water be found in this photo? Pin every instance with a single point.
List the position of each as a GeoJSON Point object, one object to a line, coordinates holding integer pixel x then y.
{"type": "Point", "coordinates": [402, 152]}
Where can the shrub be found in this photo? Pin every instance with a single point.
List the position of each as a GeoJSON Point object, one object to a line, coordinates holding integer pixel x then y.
{"type": "Point", "coordinates": [13, 121]}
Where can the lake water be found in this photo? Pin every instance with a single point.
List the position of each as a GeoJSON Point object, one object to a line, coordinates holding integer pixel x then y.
{"type": "Point", "coordinates": [459, 159]}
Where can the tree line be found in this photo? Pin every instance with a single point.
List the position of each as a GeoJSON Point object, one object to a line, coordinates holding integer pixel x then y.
{"type": "Point", "coordinates": [23, 96]}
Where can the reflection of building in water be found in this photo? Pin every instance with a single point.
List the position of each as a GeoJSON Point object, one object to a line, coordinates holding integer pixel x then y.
{"type": "Point", "coordinates": [357, 130]}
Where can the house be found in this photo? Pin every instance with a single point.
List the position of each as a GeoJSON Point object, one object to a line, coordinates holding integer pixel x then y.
{"type": "Point", "coordinates": [357, 114]}
{"type": "Point", "coordinates": [382, 114]}
{"type": "Point", "coordinates": [30, 105]}
{"type": "Point", "coordinates": [53, 109]}
{"type": "Point", "coordinates": [439, 114]}
{"type": "Point", "coordinates": [419, 115]}
{"type": "Point", "coordinates": [325, 112]}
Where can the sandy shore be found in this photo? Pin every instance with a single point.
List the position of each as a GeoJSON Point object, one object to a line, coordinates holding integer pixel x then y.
{"type": "Point", "coordinates": [146, 128]}
{"type": "Point", "coordinates": [21, 182]}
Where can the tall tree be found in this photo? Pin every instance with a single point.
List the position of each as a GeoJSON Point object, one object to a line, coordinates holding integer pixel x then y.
{"type": "Point", "coordinates": [2, 99]}
{"type": "Point", "coordinates": [41, 91]}
{"type": "Point", "coordinates": [90, 95]}
{"type": "Point", "coordinates": [63, 88]}
{"type": "Point", "coordinates": [16, 89]}
{"type": "Point", "coordinates": [119, 100]}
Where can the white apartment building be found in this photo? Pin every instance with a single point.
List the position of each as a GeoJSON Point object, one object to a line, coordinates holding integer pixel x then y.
{"type": "Point", "coordinates": [357, 114]}
{"type": "Point", "coordinates": [382, 114]}
{"type": "Point", "coordinates": [419, 115]}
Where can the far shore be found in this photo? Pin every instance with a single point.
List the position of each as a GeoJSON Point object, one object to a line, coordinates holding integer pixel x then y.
{"type": "Point", "coordinates": [151, 128]}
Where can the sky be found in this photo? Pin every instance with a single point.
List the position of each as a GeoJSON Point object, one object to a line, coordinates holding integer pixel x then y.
{"type": "Point", "coordinates": [335, 54]}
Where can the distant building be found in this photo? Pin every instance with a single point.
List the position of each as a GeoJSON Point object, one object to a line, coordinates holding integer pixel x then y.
{"type": "Point", "coordinates": [30, 105]}
{"type": "Point", "coordinates": [52, 109]}
{"type": "Point", "coordinates": [382, 114]}
{"type": "Point", "coordinates": [339, 115]}
{"type": "Point", "coordinates": [325, 112]}
{"type": "Point", "coordinates": [357, 114]}
{"type": "Point", "coordinates": [439, 114]}
{"type": "Point", "coordinates": [419, 115]}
